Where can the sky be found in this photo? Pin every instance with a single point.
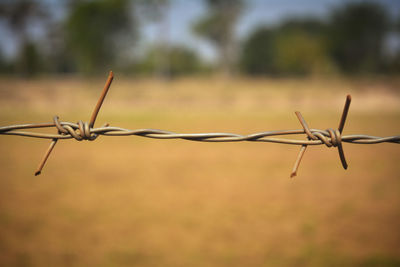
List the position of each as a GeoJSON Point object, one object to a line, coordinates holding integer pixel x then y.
{"type": "Point", "coordinates": [181, 14]}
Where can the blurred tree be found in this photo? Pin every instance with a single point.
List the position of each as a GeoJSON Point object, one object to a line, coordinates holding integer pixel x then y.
{"type": "Point", "coordinates": [397, 24]}
{"type": "Point", "coordinates": [3, 64]}
{"type": "Point", "coordinates": [393, 65]}
{"type": "Point", "coordinates": [301, 47]}
{"type": "Point", "coordinates": [218, 27]}
{"type": "Point", "coordinates": [258, 53]}
{"type": "Point", "coordinates": [182, 61]}
{"type": "Point", "coordinates": [155, 11]}
{"type": "Point", "coordinates": [20, 15]}
{"type": "Point", "coordinates": [94, 29]}
{"type": "Point", "coordinates": [58, 57]}
{"type": "Point", "coordinates": [29, 59]}
{"type": "Point", "coordinates": [296, 46]}
{"type": "Point", "coordinates": [357, 33]}
{"type": "Point", "coordinates": [311, 26]}
{"type": "Point", "coordinates": [299, 53]}
{"type": "Point", "coordinates": [396, 60]}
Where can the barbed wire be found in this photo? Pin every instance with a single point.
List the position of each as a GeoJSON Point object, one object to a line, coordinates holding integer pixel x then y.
{"type": "Point", "coordinates": [86, 131]}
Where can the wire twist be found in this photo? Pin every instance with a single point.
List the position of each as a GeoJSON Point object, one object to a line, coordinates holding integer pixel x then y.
{"type": "Point", "coordinates": [86, 131]}
{"type": "Point", "coordinates": [83, 132]}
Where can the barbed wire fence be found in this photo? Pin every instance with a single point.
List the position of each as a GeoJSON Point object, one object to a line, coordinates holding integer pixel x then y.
{"type": "Point", "coordinates": [86, 131]}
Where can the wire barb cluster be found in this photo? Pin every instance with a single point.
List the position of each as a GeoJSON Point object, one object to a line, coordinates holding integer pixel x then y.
{"type": "Point", "coordinates": [86, 131]}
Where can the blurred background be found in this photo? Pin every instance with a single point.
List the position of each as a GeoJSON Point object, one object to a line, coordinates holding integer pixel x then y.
{"type": "Point", "coordinates": [240, 66]}
{"type": "Point", "coordinates": [167, 39]}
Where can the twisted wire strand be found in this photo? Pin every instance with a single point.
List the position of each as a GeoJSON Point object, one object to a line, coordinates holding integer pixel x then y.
{"type": "Point", "coordinates": [86, 131]}
{"type": "Point", "coordinates": [73, 130]}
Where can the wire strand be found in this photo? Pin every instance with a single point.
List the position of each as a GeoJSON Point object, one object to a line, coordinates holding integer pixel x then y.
{"type": "Point", "coordinates": [85, 131]}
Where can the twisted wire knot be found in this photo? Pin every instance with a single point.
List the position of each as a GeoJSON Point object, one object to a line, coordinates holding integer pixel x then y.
{"type": "Point", "coordinates": [81, 132]}
{"type": "Point", "coordinates": [331, 137]}
{"type": "Point", "coordinates": [334, 139]}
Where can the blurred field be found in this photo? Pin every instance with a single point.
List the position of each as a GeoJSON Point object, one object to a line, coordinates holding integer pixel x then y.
{"type": "Point", "coordinates": [131, 201]}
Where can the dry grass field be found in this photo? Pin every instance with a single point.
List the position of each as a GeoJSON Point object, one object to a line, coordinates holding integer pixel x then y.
{"type": "Point", "coordinates": [133, 201]}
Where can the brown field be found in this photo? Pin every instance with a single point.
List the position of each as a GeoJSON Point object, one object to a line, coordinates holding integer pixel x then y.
{"type": "Point", "coordinates": [133, 201]}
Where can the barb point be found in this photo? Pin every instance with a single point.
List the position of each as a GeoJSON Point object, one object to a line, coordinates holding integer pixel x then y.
{"type": "Point", "coordinates": [101, 99]}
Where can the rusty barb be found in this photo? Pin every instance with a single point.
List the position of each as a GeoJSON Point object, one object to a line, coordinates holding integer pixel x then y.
{"type": "Point", "coordinates": [86, 131]}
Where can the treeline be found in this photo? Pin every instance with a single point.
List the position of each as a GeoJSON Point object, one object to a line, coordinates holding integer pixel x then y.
{"type": "Point", "coordinates": [91, 37]}
{"type": "Point", "coordinates": [354, 39]}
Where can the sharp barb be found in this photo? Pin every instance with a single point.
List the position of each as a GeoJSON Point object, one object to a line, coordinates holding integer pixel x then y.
{"type": "Point", "coordinates": [305, 126]}
{"type": "Point", "coordinates": [344, 114]}
{"type": "Point", "coordinates": [342, 157]}
{"type": "Point", "coordinates": [298, 160]}
{"type": "Point", "coordinates": [340, 129]}
{"type": "Point", "coordinates": [101, 99]}
{"type": "Point", "coordinates": [310, 136]}
{"type": "Point", "coordinates": [46, 156]}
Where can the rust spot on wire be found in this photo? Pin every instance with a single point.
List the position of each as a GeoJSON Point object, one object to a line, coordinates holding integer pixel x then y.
{"type": "Point", "coordinates": [86, 131]}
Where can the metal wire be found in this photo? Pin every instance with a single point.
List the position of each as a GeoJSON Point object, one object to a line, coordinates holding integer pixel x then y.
{"type": "Point", "coordinates": [85, 131]}
{"type": "Point", "coordinates": [324, 135]}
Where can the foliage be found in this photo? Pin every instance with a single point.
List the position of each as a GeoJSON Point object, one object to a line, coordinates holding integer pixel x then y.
{"type": "Point", "coordinates": [351, 41]}
{"type": "Point", "coordinates": [29, 60]}
{"type": "Point", "coordinates": [152, 10]}
{"type": "Point", "coordinates": [19, 15]}
{"type": "Point", "coordinates": [93, 30]}
{"type": "Point", "coordinates": [217, 26]}
{"type": "Point", "coordinates": [95, 36]}
{"type": "Point", "coordinates": [3, 64]}
{"type": "Point", "coordinates": [301, 47]}
{"type": "Point", "coordinates": [301, 54]}
{"type": "Point", "coordinates": [357, 32]}
{"type": "Point", "coordinates": [258, 53]}
{"type": "Point", "coordinates": [296, 47]}
{"type": "Point", "coordinates": [179, 60]}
